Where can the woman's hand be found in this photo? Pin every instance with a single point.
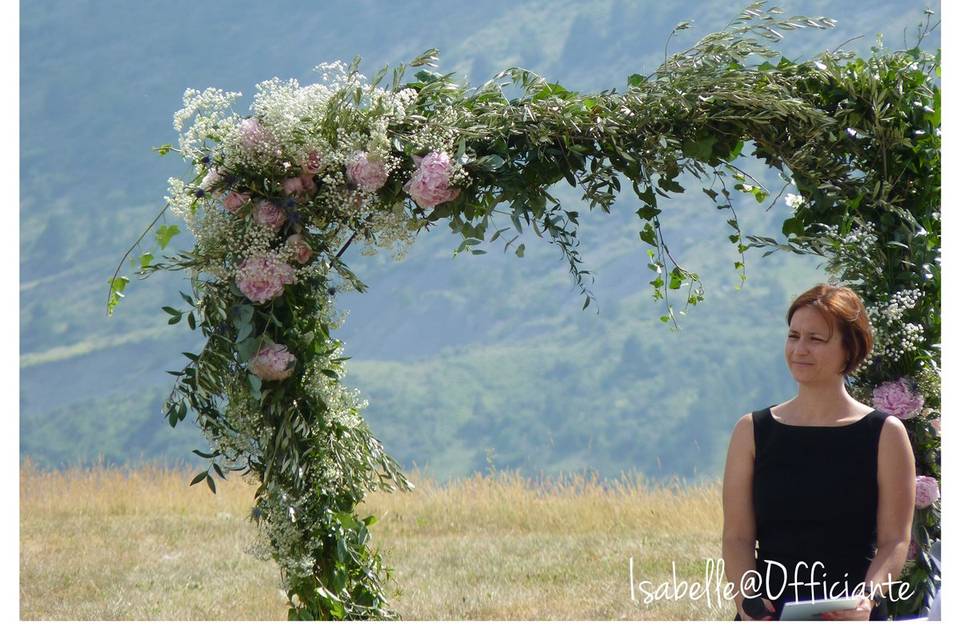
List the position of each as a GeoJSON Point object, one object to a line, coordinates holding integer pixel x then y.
{"type": "Point", "coordinates": [766, 605]}
{"type": "Point", "coordinates": [862, 612]}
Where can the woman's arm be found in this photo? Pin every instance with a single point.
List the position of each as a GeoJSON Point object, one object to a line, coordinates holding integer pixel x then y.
{"type": "Point", "coordinates": [897, 480]}
{"type": "Point", "coordinates": [739, 524]}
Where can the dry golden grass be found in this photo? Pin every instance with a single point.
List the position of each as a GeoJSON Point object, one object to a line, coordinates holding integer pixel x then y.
{"type": "Point", "coordinates": [140, 544]}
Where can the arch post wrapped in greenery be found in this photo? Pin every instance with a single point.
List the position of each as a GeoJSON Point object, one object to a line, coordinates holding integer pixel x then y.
{"type": "Point", "coordinates": [275, 198]}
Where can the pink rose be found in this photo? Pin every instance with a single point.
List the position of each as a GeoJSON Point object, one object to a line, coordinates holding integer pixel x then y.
{"type": "Point", "coordinates": [897, 398]}
{"type": "Point", "coordinates": [270, 215]}
{"type": "Point", "coordinates": [312, 165]}
{"type": "Point", "coordinates": [430, 183]}
{"type": "Point", "coordinates": [234, 201]}
{"type": "Point", "coordinates": [935, 423]}
{"type": "Point", "coordinates": [273, 362]}
{"type": "Point", "coordinates": [301, 250]}
{"type": "Point", "coordinates": [262, 278]}
{"type": "Point", "coordinates": [366, 172]}
{"type": "Point", "coordinates": [928, 491]}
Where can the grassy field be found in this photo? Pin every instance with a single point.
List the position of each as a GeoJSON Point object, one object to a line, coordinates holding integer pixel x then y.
{"type": "Point", "coordinates": [140, 544]}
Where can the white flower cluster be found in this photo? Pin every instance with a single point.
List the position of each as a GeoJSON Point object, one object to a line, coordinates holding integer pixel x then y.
{"type": "Point", "coordinates": [894, 338]}
{"type": "Point", "coordinates": [209, 113]}
{"type": "Point", "coordinates": [251, 436]}
{"type": "Point", "coordinates": [793, 200]}
{"type": "Point", "coordinates": [901, 302]}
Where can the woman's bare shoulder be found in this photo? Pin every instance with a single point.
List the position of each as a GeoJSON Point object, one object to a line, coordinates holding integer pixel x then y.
{"type": "Point", "coordinates": [742, 435]}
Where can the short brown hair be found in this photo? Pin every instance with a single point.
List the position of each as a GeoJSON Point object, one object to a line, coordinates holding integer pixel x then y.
{"type": "Point", "coordinates": [841, 307]}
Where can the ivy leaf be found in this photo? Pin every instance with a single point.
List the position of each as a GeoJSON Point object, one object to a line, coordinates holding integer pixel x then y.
{"type": "Point", "coordinates": [165, 233]}
{"type": "Point", "coordinates": [648, 212]}
{"type": "Point", "coordinates": [648, 235]}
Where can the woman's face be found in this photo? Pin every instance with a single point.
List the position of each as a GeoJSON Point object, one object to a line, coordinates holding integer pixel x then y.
{"type": "Point", "coordinates": [814, 350]}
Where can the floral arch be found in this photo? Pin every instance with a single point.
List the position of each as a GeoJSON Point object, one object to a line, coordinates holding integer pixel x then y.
{"type": "Point", "coordinates": [276, 197]}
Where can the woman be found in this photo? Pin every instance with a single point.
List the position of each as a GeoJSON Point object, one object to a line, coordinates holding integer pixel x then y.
{"type": "Point", "coordinates": [820, 477]}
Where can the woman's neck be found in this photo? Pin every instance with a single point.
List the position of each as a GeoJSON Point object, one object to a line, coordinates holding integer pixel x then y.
{"type": "Point", "coordinates": [822, 402]}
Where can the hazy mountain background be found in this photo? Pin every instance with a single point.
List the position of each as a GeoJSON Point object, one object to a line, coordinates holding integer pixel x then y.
{"type": "Point", "coordinates": [466, 361]}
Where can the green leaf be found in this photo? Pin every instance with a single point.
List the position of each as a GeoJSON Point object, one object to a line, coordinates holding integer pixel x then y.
{"type": "Point", "coordinates": [735, 152]}
{"type": "Point", "coordinates": [701, 149]}
{"type": "Point", "coordinates": [211, 484]}
{"type": "Point", "coordinates": [648, 196]}
{"type": "Point", "coordinates": [243, 332]}
{"type": "Point", "coordinates": [117, 285]}
{"type": "Point", "coordinates": [636, 80]}
{"type": "Point", "coordinates": [199, 477]}
{"type": "Point", "coordinates": [165, 233]}
{"type": "Point", "coordinates": [426, 59]}
{"type": "Point", "coordinates": [163, 149]}
{"type": "Point", "coordinates": [648, 213]}
{"type": "Point", "coordinates": [246, 348]}
{"type": "Point", "coordinates": [255, 385]}
{"type": "Point", "coordinates": [649, 235]}
{"type": "Point", "coordinates": [676, 278]}
{"type": "Point", "coordinates": [520, 250]}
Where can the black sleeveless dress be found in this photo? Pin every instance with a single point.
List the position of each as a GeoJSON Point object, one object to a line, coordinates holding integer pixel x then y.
{"type": "Point", "coordinates": [815, 499]}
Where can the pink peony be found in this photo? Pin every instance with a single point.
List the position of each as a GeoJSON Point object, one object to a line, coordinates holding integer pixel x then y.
{"type": "Point", "coordinates": [430, 183]}
{"type": "Point", "coordinates": [301, 249]}
{"type": "Point", "coordinates": [254, 135]}
{"type": "Point", "coordinates": [273, 362]}
{"type": "Point", "coordinates": [898, 399]}
{"type": "Point", "coordinates": [928, 491]}
{"type": "Point", "coordinates": [270, 215]}
{"type": "Point", "coordinates": [234, 201]}
{"type": "Point", "coordinates": [262, 278]}
{"type": "Point", "coordinates": [312, 165]}
{"type": "Point", "coordinates": [366, 172]}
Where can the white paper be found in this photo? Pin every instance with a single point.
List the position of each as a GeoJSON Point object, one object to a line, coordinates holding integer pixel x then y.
{"type": "Point", "coordinates": [811, 609]}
